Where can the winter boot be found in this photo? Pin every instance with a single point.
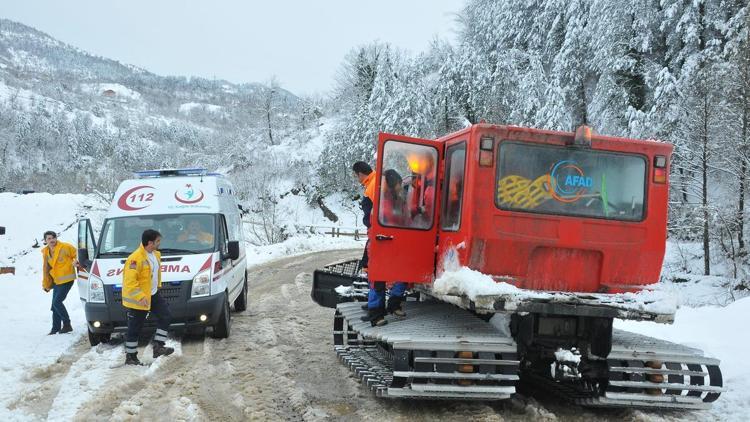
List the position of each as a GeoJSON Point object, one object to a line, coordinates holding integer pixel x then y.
{"type": "Point", "coordinates": [53, 331]}
{"type": "Point", "coordinates": [161, 350]}
{"type": "Point", "coordinates": [132, 359]}
{"type": "Point", "coordinates": [376, 317]}
{"type": "Point", "coordinates": [66, 328]}
{"type": "Point", "coordinates": [395, 306]}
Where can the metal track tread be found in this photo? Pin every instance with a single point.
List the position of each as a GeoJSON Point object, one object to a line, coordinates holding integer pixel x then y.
{"type": "Point", "coordinates": [644, 372]}
{"type": "Point", "coordinates": [424, 348]}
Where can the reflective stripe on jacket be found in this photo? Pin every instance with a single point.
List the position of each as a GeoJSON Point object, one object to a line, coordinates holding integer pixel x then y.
{"type": "Point", "coordinates": [136, 279]}
{"type": "Point", "coordinates": [58, 268]}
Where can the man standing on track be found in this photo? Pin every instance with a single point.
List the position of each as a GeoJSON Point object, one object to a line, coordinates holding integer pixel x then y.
{"type": "Point", "coordinates": [58, 272]}
{"type": "Point", "coordinates": [140, 295]}
{"type": "Point", "coordinates": [375, 305]}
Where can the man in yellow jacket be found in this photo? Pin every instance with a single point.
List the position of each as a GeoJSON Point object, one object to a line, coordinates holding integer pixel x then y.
{"type": "Point", "coordinates": [58, 273]}
{"type": "Point", "coordinates": [141, 280]}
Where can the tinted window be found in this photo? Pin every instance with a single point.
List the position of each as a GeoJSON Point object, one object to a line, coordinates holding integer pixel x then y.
{"type": "Point", "coordinates": [567, 181]}
{"type": "Point", "coordinates": [455, 166]}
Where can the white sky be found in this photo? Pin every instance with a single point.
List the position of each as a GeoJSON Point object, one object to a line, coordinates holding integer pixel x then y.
{"type": "Point", "coordinates": [300, 42]}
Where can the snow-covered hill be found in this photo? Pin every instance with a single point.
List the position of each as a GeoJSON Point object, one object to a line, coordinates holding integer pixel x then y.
{"type": "Point", "coordinates": [72, 121]}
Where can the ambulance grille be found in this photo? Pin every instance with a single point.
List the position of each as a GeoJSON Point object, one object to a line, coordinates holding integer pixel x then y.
{"type": "Point", "coordinates": [169, 292]}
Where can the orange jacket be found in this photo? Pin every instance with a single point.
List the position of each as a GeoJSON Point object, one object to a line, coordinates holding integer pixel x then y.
{"type": "Point", "coordinates": [369, 184]}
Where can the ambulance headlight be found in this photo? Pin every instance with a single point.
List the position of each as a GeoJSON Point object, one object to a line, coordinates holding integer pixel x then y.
{"type": "Point", "coordinates": [96, 289]}
{"type": "Point", "coordinates": [202, 284]}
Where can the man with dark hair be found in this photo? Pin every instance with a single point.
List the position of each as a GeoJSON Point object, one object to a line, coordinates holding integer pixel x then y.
{"type": "Point", "coordinates": [141, 281]}
{"type": "Point", "coordinates": [365, 176]}
{"type": "Point", "coordinates": [58, 272]}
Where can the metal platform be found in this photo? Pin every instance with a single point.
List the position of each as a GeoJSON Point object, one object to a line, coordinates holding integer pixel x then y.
{"type": "Point", "coordinates": [622, 306]}
{"type": "Point", "coordinates": [424, 354]}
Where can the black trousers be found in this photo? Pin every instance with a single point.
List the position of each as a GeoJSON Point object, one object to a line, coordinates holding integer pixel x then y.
{"type": "Point", "coordinates": [136, 318]}
{"type": "Point", "coordinates": [365, 261]}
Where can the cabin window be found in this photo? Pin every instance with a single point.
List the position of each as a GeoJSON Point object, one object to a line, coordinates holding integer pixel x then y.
{"type": "Point", "coordinates": [407, 186]}
{"type": "Point", "coordinates": [566, 181]}
{"type": "Point", "coordinates": [453, 190]}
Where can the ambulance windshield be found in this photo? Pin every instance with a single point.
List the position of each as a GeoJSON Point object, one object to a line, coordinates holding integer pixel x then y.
{"type": "Point", "coordinates": [181, 234]}
{"type": "Point", "coordinates": [565, 181]}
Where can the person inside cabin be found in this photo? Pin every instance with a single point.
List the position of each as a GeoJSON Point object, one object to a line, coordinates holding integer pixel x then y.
{"type": "Point", "coordinates": [421, 193]}
{"type": "Point", "coordinates": [195, 234]}
{"type": "Point", "coordinates": [394, 210]}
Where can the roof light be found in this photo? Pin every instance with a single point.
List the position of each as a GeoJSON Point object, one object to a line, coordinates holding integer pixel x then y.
{"type": "Point", "coordinates": [170, 173]}
{"type": "Point", "coordinates": [582, 137]}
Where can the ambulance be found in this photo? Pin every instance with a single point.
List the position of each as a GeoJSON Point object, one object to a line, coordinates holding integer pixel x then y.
{"type": "Point", "coordinates": [203, 261]}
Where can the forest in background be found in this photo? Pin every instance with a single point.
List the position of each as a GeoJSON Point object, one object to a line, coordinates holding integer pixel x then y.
{"type": "Point", "coordinates": [675, 70]}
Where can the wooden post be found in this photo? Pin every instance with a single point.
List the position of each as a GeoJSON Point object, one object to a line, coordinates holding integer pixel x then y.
{"type": "Point", "coordinates": [8, 270]}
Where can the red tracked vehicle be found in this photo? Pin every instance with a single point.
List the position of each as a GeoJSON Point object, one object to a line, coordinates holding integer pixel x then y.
{"type": "Point", "coordinates": [572, 219]}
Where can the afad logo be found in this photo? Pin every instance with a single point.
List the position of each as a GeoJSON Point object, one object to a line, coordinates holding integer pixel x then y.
{"type": "Point", "coordinates": [188, 195]}
{"type": "Point", "coordinates": [567, 181]}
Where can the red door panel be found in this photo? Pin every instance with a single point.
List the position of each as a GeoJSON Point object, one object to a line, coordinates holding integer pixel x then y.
{"type": "Point", "coordinates": [404, 219]}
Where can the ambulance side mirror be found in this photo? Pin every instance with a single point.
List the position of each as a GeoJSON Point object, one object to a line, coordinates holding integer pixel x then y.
{"type": "Point", "coordinates": [233, 250]}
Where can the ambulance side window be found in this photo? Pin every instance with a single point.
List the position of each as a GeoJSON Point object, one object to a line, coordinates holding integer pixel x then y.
{"type": "Point", "coordinates": [233, 223]}
{"type": "Point", "coordinates": [223, 234]}
{"type": "Point", "coordinates": [453, 190]}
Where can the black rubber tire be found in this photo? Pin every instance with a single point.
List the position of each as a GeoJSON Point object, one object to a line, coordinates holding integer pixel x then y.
{"type": "Point", "coordinates": [223, 327]}
{"type": "Point", "coordinates": [240, 304]}
{"type": "Point", "coordinates": [96, 338]}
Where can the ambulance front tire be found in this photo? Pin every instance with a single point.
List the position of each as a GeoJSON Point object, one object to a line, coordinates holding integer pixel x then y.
{"type": "Point", "coordinates": [222, 328]}
{"type": "Point", "coordinates": [240, 304]}
{"type": "Point", "coordinates": [96, 338]}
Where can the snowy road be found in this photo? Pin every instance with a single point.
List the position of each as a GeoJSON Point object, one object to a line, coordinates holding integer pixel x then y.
{"type": "Point", "coordinates": [278, 364]}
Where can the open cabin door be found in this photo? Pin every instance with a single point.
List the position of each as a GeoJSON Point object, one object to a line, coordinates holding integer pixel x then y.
{"type": "Point", "coordinates": [403, 235]}
{"type": "Point", "coordinates": [86, 253]}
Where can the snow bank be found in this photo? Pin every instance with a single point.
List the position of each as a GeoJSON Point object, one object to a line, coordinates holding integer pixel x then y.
{"type": "Point", "coordinates": [258, 255]}
{"type": "Point", "coordinates": [27, 318]}
{"type": "Point", "coordinates": [186, 108]}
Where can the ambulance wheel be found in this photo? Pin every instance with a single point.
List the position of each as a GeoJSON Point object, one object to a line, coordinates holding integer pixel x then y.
{"type": "Point", "coordinates": [240, 304]}
{"type": "Point", "coordinates": [96, 338]}
{"type": "Point", "coordinates": [221, 329]}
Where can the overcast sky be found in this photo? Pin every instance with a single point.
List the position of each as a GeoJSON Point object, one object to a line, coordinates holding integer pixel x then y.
{"type": "Point", "coordinates": [300, 42]}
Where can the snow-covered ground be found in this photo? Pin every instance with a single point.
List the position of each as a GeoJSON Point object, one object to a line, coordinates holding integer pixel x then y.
{"type": "Point", "coordinates": [28, 355]}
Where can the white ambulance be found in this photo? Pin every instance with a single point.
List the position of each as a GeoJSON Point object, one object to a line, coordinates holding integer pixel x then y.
{"type": "Point", "coordinates": [203, 256]}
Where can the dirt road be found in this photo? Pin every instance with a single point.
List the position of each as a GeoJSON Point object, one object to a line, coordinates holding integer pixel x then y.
{"type": "Point", "coordinates": [278, 364]}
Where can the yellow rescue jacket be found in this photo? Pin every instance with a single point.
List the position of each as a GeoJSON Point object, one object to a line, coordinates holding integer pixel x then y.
{"type": "Point", "coordinates": [58, 268]}
{"type": "Point", "coordinates": [136, 279]}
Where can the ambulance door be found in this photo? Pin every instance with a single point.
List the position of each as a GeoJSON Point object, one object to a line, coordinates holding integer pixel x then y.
{"type": "Point", "coordinates": [86, 254]}
{"type": "Point", "coordinates": [403, 235]}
